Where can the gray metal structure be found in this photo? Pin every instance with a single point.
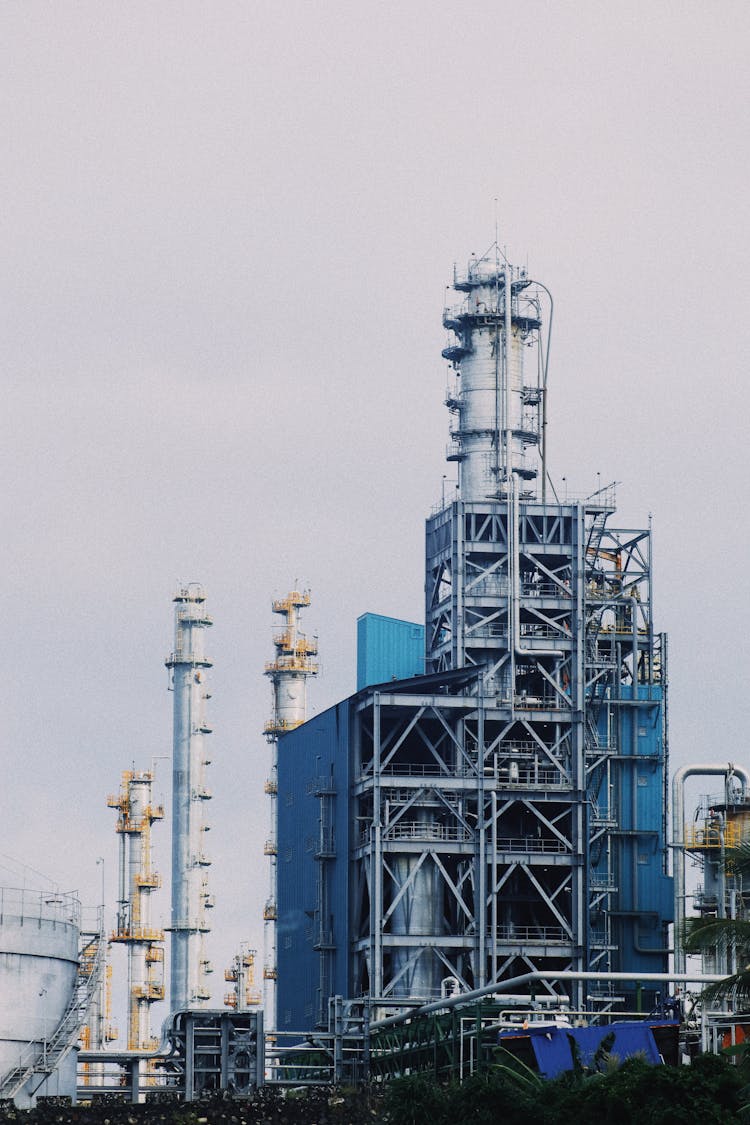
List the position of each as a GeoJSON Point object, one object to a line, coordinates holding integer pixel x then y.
{"type": "Point", "coordinates": [190, 895]}
{"type": "Point", "coordinates": [202, 1052]}
{"type": "Point", "coordinates": [500, 825]}
{"type": "Point", "coordinates": [705, 843]}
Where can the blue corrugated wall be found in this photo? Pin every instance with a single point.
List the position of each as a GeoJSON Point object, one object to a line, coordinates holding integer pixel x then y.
{"type": "Point", "coordinates": [644, 902]}
{"type": "Point", "coordinates": [388, 649]}
{"type": "Point", "coordinates": [318, 750]}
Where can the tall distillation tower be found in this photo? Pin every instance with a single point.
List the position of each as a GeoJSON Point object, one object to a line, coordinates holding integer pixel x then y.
{"type": "Point", "coordinates": [512, 804]}
{"type": "Point", "coordinates": [288, 673]}
{"type": "Point", "coordinates": [190, 757]}
{"type": "Point", "coordinates": [137, 881]}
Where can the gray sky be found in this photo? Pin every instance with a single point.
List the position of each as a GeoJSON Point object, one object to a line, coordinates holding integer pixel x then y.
{"type": "Point", "coordinates": [227, 229]}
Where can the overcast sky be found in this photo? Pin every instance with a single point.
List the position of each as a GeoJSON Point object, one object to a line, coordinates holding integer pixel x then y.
{"type": "Point", "coordinates": [227, 229]}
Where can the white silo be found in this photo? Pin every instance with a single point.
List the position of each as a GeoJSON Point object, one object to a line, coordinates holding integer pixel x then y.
{"type": "Point", "coordinates": [39, 943]}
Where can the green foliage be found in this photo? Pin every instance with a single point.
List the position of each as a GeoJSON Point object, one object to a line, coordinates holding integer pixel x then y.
{"type": "Point", "coordinates": [322, 1105]}
{"type": "Point", "coordinates": [480, 1100]}
{"type": "Point", "coordinates": [709, 1091]}
{"type": "Point", "coordinates": [515, 1071]}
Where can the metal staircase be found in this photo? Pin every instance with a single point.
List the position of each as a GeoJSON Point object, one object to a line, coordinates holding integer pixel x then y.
{"type": "Point", "coordinates": [40, 1059]}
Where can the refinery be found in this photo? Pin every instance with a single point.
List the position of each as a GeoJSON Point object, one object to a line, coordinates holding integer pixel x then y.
{"type": "Point", "coordinates": [485, 834]}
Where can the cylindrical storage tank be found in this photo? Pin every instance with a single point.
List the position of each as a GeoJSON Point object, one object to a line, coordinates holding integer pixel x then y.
{"type": "Point", "coordinates": [39, 941]}
{"type": "Point", "coordinates": [417, 914]}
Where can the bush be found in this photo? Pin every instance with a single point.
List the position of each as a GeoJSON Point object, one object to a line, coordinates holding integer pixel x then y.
{"type": "Point", "coordinates": [709, 1091]}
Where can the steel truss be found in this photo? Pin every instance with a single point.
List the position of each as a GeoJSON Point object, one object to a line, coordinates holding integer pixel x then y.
{"type": "Point", "coordinates": [486, 794]}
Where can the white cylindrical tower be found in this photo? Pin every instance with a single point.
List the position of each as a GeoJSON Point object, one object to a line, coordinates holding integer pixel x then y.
{"type": "Point", "coordinates": [288, 673]}
{"type": "Point", "coordinates": [190, 897]}
{"type": "Point", "coordinates": [498, 408]}
{"type": "Point", "coordinates": [415, 886]}
{"type": "Point", "coordinates": [39, 952]}
{"type": "Point", "coordinates": [138, 880]}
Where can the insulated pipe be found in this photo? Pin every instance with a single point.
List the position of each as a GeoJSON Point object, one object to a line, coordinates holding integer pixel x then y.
{"type": "Point", "coordinates": [678, 838]}
{"type": "Point", "coordinates": [509, 478]}
{"type": "Point", "coordinates": [494, 883]}
{"type": "Point", "coordinates": [531, 978]}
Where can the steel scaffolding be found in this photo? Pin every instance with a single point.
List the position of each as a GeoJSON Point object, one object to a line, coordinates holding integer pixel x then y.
{"type": "Point", "coordinates": [510, 804]}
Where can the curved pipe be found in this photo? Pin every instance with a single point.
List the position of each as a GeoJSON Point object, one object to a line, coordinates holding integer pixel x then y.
{"type": "Point", "coordinates": [678, 837]}
{"type": "Point", "coordinates": [515, 983]}
{"type": "Point", "coordinates": [545, 371]}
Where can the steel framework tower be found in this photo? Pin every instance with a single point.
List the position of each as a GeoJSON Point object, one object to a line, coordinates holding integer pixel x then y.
{"type": "Point", "coordinates": [514, 800]}
{"type": "Point", "coordinates": [137, 880]}
{"type": "Point", "coordinates": [721, 824]}
{"type": "Point", "coordinates": [190, 896]}
{"type": "Point", "coordinates": [289, 674]}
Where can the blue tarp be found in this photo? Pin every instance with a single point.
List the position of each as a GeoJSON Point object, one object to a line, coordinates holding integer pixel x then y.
{"type": "Point", "coordinates": [553, 1051]}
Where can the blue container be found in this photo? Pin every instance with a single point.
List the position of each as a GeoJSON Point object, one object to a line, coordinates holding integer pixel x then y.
{"type": "Point", "coordinates": [388, 649]}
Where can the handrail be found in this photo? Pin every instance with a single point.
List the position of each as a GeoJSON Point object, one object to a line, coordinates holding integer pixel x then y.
{"type": "Point", "coordinates": [44, 1057]}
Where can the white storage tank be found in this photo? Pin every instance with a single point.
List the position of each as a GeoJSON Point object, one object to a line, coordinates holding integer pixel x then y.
{"type": "Point", "coordinates": [39, 942]}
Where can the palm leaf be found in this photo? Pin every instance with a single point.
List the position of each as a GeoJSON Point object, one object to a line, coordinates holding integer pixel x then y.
{"type": "Point", "coordinates": [735, 988]}
{"type": "Point", "coordinates": [518, 1071]}
{"type": "Point", "coordinates": [718, 933]}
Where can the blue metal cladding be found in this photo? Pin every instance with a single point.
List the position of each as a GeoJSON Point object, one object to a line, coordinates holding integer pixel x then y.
{"type": "Point", "coordinates": [388, 649]}
{"type": "Point", "coordinates": [313, 850]}
{"type": "Point", "coordinates": [315, 840]}
{"type": "Point", "coordinates": [645, 891]}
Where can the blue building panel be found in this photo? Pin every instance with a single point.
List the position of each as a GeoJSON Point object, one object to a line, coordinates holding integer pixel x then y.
{"type": "Point", "coordinates": [388, 649]}
{"type": "Point", "coordinates": [313, 835]}
{"type": "Point", "coordinates": [317, 828]}
{"type": "Point", "coordinates": [645, 891]}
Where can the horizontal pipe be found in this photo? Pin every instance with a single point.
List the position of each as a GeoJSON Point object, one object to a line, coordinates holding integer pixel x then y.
{"type": "Point", "coordinates": [530, 978]}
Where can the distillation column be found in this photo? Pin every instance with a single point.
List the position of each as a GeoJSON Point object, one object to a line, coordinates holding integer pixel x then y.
{"type": "Point", "coordinates": [288, 673]}
{"type": "Point", "coordinates": [504, 577]}
{"type": "Point", "coordinates": [190, 896]}
{"type": "Point", "coordinates": [241, 975]}
{"type": "Point", "coordinates": [137, 881]}
{"type": "Point", "coordinates": [552, 608]}
{"type": "Point", "coordinates": [497, 432]}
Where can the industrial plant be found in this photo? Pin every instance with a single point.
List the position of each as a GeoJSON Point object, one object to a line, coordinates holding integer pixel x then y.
{"type": "Point", "coordinates": [479, 836]}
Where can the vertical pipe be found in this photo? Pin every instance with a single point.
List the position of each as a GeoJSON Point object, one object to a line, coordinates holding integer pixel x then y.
{"type": "Point", "coordinates": [188, 921]}
{"type": "Point", "coordinates": [493, 889]}
{"type": "Point", "coordinates": [580, 874]}
{"type": "Point", "coordinates": [480, 969]}
{"type": "Point", "coordinates": [507, 411]}
{"type": "Point", "coordinates": [376, 881]}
